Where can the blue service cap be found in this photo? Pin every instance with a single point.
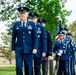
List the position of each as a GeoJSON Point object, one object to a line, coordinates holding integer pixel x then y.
{"type": "Point", "coordinates": [64, 29]}
{"type": "Point", "coordinates": [69, 34]}
{"type": "Point", "coordinates": [61, 33]}
{"type": "Point", "coordinates": [23, 9]}
{"type": "Point", "coordinates": [33, 15]}
{"type": "Point", "coordinates": [41, 20]}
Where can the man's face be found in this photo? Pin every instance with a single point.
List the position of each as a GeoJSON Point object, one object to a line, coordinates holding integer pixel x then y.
{"type": "Point", "coordinates": [23, 15]}
{"type": "Point", "coordinates": [61, 37]}
{"type": "Point", "coordinates": [34, 19]}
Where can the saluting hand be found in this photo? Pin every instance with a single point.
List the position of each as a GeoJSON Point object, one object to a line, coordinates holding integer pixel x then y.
{"type": "Point", "coordinates": [13, 52]}
{"type": "Point", "coordinates": [43, 54]}
{"type": "Point", "coordinates": [34, 51]}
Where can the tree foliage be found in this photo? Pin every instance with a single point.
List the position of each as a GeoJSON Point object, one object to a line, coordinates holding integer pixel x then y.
{"type": "Point", "coordinates": [6, 49]}
{"type": "Point", "coordinates": [72, 30]}
{"type": "Point", "coordinates": [47, 9]}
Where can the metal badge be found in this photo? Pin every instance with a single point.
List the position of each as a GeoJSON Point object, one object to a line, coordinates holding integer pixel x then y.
{"type": "Point", "coordinates": [39, 31]}
{"type": "Point", "coordinates": [32, 13]}
{"type": "Point", "coordinates": [38, 36]}
{"type": "Point", "coordinates": [17, 27]}
{"type": "Point", "coordinates": [40, 20]}
{"type": "Point", "coordinates": [20, 25]}
{"type": "Point", "coordinates": [68, 45]}
{"type": "Point", "coordinates": [72, 43]}
{"type": "Point", "coordinates": [21, 8]}
{"type": "Point", "coordinates": [63, 46]}
{"type": "Point", "coordinates": [29, 32]}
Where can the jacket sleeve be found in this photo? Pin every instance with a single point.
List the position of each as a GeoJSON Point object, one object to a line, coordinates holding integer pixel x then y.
{"type": "Point", "coordinates": [49, 44]}
{"type": "Point", "coordinates": [13, 37]}
{"type": "Point", "coordinates": [44, 41]}
{"type": "Point", "coordinates": [55, 48]}
{"type": "Point", "coordinates": [35, 38]}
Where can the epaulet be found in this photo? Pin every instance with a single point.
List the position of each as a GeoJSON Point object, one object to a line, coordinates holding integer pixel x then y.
{"type": "Point", "coordinates": [30, 21]}
{"type": "Point", "coordinates": [16, 22]}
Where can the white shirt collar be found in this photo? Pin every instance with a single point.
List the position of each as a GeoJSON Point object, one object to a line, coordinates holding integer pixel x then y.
{"type": "Point", "coordinates": [22, 23]}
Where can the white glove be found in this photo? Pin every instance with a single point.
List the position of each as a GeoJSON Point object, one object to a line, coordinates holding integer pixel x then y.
{"type": "Point", "coordinates": [59, 54]}
{"type": "Point", "coordinates": [60, 51]}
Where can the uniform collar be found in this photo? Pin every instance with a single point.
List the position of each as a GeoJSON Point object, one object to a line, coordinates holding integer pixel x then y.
{"type": "Point", "coordinates": [61, 41]}
{"type": "Point", "coordinates": [22, 23]}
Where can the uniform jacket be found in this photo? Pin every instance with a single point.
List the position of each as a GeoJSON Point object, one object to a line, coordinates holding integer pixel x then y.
{"type": "Point", "coordinates": [73, 47]}
{"type": "Point", "coordinates": [24, 37]}
{"type": "Point", "coordinates": [42, 43]}
{"type": "Point", "coordinates": [49, 43]}
{"type": "Point", "coordinates": [64, 46]}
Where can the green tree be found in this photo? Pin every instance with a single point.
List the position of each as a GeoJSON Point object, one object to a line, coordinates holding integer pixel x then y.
{"type": "Point", "coordinates": [72, 30]}
{"type": "Point", "coordinates": [6, 49]}
{"type": "Point", "coordinates": [47, 9]}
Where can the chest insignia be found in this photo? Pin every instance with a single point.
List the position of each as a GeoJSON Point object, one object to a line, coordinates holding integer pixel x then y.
{"type": "Point", "coordinates": [29, 27]}
{"type": "Point", "coordinates": [39, 31]}
{"type": "Point", "coordinates": [17, 27]}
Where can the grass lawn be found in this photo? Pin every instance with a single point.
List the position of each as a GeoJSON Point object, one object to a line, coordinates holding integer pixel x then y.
{"type": "Point", "coordinates": [7, 71]}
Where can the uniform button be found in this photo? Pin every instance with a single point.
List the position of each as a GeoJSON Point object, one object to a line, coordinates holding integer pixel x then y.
{"type": "Point", "coordinates": [23, 36]}
{"type": "Point", "coordinates": [23, 40]}
{"type": "Point", "coordinates": [23, 32]}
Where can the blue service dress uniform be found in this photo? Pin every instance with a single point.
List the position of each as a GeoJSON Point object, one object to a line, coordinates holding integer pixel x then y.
{"type": "Point", "coordinates": [72, 58]}
{"type": "Point", "coordinates": [49, 53]}
{"type": "Point", "coordinates": [71, 61]}
{"type": "Point", "coordinates": [42, 47]}
{"type": "Point", "coordinates": [63, 62]}
{"type": "Point", "coordinates": [24, 40]}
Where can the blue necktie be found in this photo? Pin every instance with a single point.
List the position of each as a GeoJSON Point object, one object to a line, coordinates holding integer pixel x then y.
{"type": "Point", "coordinates": [23, 24]}
{"type": "Point", "coordinates": [61, 41]}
